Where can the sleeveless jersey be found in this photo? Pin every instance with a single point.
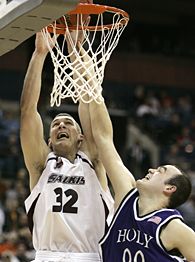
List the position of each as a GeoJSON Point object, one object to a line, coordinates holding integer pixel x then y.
{"type": "Point", "coordinates": [67, 209]}
{"type": "Point", "coordinates": [135, 238]}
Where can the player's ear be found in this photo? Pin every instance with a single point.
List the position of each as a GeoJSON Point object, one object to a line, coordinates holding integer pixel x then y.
{"type": "Point", "coordinates": [169, 189]}
{"type": "Point", "coordinates": [80, 138]}
{"type": "Point", "coordinates": [50, 144]}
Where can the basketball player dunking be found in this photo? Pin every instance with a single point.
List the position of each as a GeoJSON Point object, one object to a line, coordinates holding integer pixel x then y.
{"type": "Point", "coordinates": [70, 201]}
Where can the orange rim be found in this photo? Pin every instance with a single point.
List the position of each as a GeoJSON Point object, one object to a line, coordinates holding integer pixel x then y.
{"type": "Point", "coordinates": [89, 9]}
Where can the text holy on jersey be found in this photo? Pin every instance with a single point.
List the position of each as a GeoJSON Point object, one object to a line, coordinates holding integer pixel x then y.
{"type": "Point", "coordinates": [134, 235]}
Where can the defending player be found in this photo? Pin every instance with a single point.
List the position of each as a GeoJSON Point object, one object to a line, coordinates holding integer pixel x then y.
{"type": "Point", "coordinates": [146, 225]}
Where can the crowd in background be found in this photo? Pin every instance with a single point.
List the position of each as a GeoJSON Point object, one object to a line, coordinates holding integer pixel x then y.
{"type": "Point", "coordinates": [15, 237]}
{"type": "Point", "coordinates": [165, 115]}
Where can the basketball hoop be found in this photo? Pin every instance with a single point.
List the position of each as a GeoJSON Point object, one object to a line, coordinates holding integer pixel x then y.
{"type": "Point", "coordinates": [100, 37]}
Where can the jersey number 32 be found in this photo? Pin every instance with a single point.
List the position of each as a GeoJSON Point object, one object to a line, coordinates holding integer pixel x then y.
{"type": "Point", "coordinates": [68, 206]}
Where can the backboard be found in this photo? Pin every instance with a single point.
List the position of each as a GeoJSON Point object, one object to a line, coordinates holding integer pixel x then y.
{"type": "Point", "coordinates": [20, 19]}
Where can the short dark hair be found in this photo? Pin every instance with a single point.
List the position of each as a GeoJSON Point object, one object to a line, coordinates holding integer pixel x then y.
{"type": "Point", "coordinates": [62, 114]}
{"type": "Point", "coordinates": [66, 114]}
{"type": "Point", "coordinates": [184, 187]}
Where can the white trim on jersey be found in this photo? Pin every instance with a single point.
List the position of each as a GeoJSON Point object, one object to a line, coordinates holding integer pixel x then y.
{"type": "Point", "coordinates": [66, 257]}
{"type": "Point", "coordinates": [158, 231]}
{"type": "Point", "coordinates": [125, 199]}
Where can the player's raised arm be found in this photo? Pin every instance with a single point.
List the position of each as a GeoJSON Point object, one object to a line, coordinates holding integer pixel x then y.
{"type": "Point", "coordinates": [33, 144]}
{"type": "Point", "coordinates": [120, 177]}
{"type": "Point", "coordinates": [90, 144]}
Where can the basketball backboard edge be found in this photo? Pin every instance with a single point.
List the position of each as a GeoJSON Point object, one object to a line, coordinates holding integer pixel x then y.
{"type": "Point", "coordinates": [19, 20]}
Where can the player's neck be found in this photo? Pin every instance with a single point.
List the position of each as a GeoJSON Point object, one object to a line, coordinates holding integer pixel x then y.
{"type": "Point", "coordinates": [147, 205]}
{"type": "Point", "coordinates": [68, 155]}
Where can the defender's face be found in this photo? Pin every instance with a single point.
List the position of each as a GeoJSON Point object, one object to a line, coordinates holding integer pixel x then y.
{"type": "Point", "coordinates": [64, 132]}
{"type": "Point", "coordinates": [156, 178]}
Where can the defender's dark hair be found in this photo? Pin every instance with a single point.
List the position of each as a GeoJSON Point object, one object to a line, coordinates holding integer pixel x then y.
{"type": "Point", "coordinates": [184, 187]}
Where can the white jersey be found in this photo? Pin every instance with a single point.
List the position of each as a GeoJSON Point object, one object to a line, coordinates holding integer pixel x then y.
{"type": "Point", "coordinates": [67, 209]}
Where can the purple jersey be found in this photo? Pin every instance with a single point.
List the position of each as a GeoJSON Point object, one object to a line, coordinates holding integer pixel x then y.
{"type": "Point", "coordinates": [134, 238]}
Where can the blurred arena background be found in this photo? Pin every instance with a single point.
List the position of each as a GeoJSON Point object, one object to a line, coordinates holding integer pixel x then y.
{"type": "Point", "coordinates": [149, 87]}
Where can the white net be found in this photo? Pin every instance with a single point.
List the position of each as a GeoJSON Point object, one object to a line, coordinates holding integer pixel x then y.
{"type": "Point", "coordinates": [98, 45]}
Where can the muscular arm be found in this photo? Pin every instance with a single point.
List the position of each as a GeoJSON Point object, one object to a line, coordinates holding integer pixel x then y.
{"type": "Point", "coordinates": [91, 148]}
{"type": "Point", "coordinates": [33, 144]}
{"type": "Point", "coordinates": [178, 235]}
{"type": "Point", "coordinates": [120, 177]}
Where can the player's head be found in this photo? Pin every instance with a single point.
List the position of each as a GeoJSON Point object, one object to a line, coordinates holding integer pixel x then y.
{"type": "Point", "coordinates": [65, 134]}
{"type": "Point", "coordinates": [167, 183]}
{"type": "Point", "coordinates": [183, 189]}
